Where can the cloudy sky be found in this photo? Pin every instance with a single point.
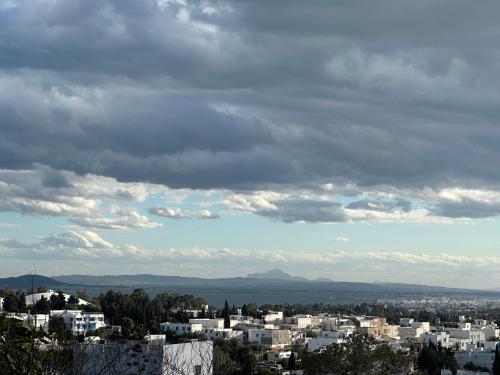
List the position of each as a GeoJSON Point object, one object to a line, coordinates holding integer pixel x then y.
{"type": "Point", "coordinates": [355, 140]}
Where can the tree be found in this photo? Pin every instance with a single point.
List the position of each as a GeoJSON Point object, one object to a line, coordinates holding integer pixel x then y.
{"type": "Point", "coordinates": [225, 315]}
{"type": "Point", "coordinates": [203, 313]}
{"type": "Point", "coordinates": [434, 359]}
{"type": "Point", "coordinates": [82, 294]}
{"type": "Point", "coordinates": [15, 302]}
{"type": "Point", "coordinates": [42, 306]}
{"type": "Point", "coordinates": [428, 360]}
{"type": "Point", "coordinates": [21, 351]}
{"type": "Point", "coordinates": [496, 363]}
{"type": "Point", "coordinates": [57, 328]}
{"type": "Point", "coordinates": [244, 310]}
{"type": "Point", "coordinates": [72, 300]}
{"type": "Point", "coordinates": [57, 301]}
{"type": "Point", "coordinates": [233, 358]}
{"type": "Point", "coordinates": [359, 354]}
{"type": "Point", "coordinates": [291, 362]}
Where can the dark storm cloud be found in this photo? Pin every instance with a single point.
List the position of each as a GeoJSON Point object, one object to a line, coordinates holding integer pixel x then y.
{"type": "Point", "coordinates": [467, 209]}
{"type": "Point", "coordinates": [311, 211]}
{"type": "Point", "coordinates": [248, 95]}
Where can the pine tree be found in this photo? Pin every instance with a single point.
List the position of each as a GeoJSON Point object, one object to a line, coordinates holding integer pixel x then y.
{"type": "Point", "coordinates": [42, 306]}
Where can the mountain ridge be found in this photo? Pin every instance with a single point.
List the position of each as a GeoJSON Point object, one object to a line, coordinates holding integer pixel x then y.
{"type": "Point", "coordinates": [275, 274]}
{"type": "Point", "coordinates": [241, 290]}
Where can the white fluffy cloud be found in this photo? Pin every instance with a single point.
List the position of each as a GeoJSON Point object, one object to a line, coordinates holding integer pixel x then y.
{"type": "Point", "coordinates": [81, 244]}
{"type": "Point", "coordinates": [377, 206]}
{"type": "Point", "coordinates": [178, 213]}
{"type": "Point", "coordinates": [83, 199]}
{"type": "Point", "coordinates": [439, 268]}
{"type": "Point", "coordinates": [125, 219]}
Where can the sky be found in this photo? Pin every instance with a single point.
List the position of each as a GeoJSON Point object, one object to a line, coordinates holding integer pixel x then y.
{"type": "Point", "coordinates": [353, 140]}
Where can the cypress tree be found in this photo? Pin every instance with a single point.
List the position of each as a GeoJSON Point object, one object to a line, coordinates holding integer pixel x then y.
{"type": "Point", "coordinates": [244, 310]}
{"type": "Point", "coordinates": [225, 315]}
{"type": "Point", "coordinates": [496, 363]}
{"type": "Point", "coordinates": [291, 362]}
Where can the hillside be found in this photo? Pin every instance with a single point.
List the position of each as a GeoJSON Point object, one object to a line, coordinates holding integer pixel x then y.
{"type": "Point", "coordinates": [275, 274]}
{"type": "Point", "coordinates": [239, 290]}
{"type": "Point", "coordinates": [25, 282]}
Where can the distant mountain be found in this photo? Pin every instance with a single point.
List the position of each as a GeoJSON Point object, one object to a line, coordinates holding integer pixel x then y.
{"type": "Point", "coordinates": [275, 274]}
{"type": "Point", "coordinates": [324, 280]}
{"type": "Point", "coordinates": [24, 282]}
{"type": "Point", "coordinates": [257, 288]}
{"type": "Point", "coordinates": [127, 280]}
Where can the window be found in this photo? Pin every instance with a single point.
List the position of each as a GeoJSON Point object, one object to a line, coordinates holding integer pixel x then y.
{"type": "Point", "coordinates": [197, 369]}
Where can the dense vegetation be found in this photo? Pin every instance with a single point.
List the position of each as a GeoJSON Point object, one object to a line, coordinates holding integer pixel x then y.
{"type": "Point", "coordinates": [24, 351]}
{"type": "Point", "coordinates": [138, 314]}
{"type": "Point", "coordinates": [358, 355]}
{"type": "Point", "coordinates": [432, 359]}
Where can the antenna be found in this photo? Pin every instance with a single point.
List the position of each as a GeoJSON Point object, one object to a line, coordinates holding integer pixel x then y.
{"type": "Point", "coordinates": [33, 301]}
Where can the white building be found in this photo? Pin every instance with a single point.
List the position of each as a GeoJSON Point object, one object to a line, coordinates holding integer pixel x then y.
{"type": "Point", "coordinates": [411, 330]}
{"type": "Point", "coordinates": [152, 357]}
{"type": "Point", "coordinates": [490, 345]}
{"type": "Point", "coordinates": [39, 321]}
{"type": "Point", "coordinates": [298, 321]}
{"type": "Point", "coordinates": [426, 326]}
{"type": "Point", "coordinates": [406, 322]}
{"type": "Point", "coordinates": [241, 318]}
{"type": "Point", "coordinates": [491, 331]}
{"type": "Point", "coordinates": [325, 339]}
{"type": "Point", "coordinates": [193, 312]}
{"type": "Point", "coordinates": [272, 316]}
{"type": "Point", "coordinates": [461, 344]}
{"type": "Point", "coordinates": [473, 336]}
{"type": "Point", "coordinates": [209, 323]}
{"type": "Point", "coordinates": [181, 328]}
{"type": "Point", "coordinates": [339, 324]}
{"type": "Point", "coordinates": [272, 338]}
{"type": "Point", "coordinates": [279, 355]}
{"type": "Point", "coordinates": [478, 357]}
{"type": "Point", "coordinates": [223, 333]}
{"type": "Point", "coordinates": [465, 326]}
{"type": "Point", "coordinates": [78, 322]}
{"type": "Point", "coordinates": [437, 338]}
{"type": "Point", "coordinates": [32, 299]}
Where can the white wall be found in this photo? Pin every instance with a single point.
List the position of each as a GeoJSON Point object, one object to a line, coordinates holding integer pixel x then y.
{"type": "Point", "coordinates": [181, 328]}
{"type": "Point", "coordinates": [209, 323]}
{"type": "Point", "coordinates": [189, 358]}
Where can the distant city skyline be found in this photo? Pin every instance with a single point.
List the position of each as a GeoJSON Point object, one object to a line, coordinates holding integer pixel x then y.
{"type": "Point", "coordinates": [356, 141]}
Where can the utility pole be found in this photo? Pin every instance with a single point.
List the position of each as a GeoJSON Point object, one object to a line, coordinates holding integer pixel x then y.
{"type": "Point", "coordinates": [33, 293]}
